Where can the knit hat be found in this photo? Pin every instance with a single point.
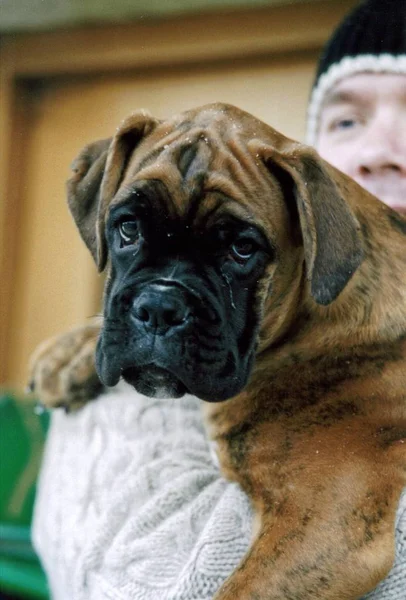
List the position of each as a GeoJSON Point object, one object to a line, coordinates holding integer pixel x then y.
{"type": "Point", "coordinates": [371, 38]}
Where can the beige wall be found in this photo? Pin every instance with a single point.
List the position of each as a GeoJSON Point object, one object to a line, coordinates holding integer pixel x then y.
{"type": "Point", "coordinates": [52, 283]}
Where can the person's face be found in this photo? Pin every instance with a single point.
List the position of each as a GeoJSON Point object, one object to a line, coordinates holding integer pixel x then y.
{"type": "Point", "coordinates": [363, 133]}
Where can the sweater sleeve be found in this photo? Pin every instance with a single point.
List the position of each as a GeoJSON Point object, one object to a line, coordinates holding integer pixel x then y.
{"type": "Point", "coordinates": [130, 504]}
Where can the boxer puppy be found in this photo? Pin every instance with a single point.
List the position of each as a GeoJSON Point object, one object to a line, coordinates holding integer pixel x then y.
{"type": "Point", "coordinates": [245, 270]}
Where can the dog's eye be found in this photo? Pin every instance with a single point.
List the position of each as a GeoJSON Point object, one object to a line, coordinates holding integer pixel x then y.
{"type": "Point", "coordinates": [243, 249]}
{"type": "Point", "coordinates": [129, 232]}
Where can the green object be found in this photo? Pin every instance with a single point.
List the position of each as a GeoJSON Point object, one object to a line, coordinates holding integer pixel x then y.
{"type": "Point", "coordinates": [22, 437]}
{"type": "Point", "coordinates": [23, 579]}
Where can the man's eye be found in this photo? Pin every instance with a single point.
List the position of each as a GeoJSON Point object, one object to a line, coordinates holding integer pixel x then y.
{"type": "Point", "coordinates": [243, 249]}
{"type": "Point", "coordinates": [129, 232]}
{"type": "Point", "coordinates": [343, 124]}
{"type": "Point", "coordinates": [346, 123]}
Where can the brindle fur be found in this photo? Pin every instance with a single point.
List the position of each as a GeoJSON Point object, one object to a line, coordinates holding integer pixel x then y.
{"type": "Point", "coordinates": [317, 438]}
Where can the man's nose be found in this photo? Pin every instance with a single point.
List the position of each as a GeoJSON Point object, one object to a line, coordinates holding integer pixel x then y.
{"type": "Point", "coordinates": [380, 161]}
{"type": "Point", "coordinates": [381, 153]}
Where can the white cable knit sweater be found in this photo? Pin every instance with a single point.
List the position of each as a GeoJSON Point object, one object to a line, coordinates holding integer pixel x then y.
{"type": "Point", "coordinates": [130, 506]}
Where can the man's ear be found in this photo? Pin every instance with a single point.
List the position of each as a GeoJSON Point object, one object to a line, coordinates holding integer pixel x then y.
{"type": "Point", "coordinates": [330, 231]}
{"type": "Point", "coordinates": [97, 173]}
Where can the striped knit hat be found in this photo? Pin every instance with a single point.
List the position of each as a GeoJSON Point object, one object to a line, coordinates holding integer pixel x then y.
{"type": "Point", "coordinates": [372, 38]}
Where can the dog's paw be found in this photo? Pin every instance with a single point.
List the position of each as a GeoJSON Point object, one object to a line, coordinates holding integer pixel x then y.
{"type": "Point", "coordinates": [62, 370]}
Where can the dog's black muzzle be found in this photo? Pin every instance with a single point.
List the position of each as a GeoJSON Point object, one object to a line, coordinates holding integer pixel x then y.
{"type": "Point", "coordinates": [168, 337]}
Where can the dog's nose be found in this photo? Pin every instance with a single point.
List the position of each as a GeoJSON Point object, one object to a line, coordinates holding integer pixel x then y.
{"type": "Point", "coordinates": [161, 308]}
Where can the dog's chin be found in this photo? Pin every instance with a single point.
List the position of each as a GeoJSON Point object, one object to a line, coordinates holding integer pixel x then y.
{"type": "Point", "coordinates": [154, 382]}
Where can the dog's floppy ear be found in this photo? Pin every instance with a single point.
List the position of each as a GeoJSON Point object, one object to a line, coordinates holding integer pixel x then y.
{"type": "Point", "coordinates": [98, 171]}
{"type": "Point", "coordinates": [84, 194]}
{"type": "Point", "coordinates": [330, 231]}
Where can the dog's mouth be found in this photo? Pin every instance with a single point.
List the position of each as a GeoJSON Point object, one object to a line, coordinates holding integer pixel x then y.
{"type": "Point", "coordinates": [154, 381]}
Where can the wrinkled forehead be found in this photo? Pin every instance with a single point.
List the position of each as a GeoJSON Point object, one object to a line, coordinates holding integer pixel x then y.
{"type": "Point", "coordinates": [174, 151]}
{"type": "Point", "coordinates": [205, 159]}
{"type": "Point", "coordinates": [187, 143]}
